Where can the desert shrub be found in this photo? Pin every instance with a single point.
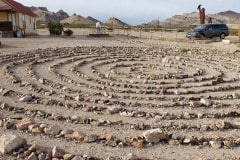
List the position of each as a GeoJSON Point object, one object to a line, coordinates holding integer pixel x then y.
{"type": "Point", "coordinates": [183, 50]}
{"type": "Point", "coordinates": [68, 32]}
{"type": "Point", "coordinates": [233, 32]}
{"type": "Point", "coordinates": [55, 28]}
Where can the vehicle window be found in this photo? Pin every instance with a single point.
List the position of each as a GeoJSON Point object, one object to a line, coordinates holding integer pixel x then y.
{"type": "Point", "coordinates": [219, 26]}
{"type": "Point", "coordinates": [200, 27]}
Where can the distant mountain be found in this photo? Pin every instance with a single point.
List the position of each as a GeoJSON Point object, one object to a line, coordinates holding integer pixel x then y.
{"type": "Point", "coordinates": [229, 17]}
{"type": "Point", "coordinates": [188, 19]}
{"type": "Point", "coordinates": [77, 19]}
{"type": "Point", "coordinates": [45, 16]}
{"type": "Point", "coordinates": [115, 22]}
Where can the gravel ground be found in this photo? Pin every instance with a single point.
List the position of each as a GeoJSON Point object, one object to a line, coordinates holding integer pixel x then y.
{"type": "Point", "coordinates": [119, 87]}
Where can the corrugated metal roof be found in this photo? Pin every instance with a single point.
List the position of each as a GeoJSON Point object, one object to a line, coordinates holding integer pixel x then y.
{"type": "Point", "coordinates": [20, 7]}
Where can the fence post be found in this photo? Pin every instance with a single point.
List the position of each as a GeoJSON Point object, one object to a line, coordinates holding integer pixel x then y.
{"type": "Point", "coordinates": [239, 33]}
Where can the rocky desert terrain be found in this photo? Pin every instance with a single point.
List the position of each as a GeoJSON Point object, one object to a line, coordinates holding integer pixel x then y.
{"type": "Point", "coordinates": [119, 98]}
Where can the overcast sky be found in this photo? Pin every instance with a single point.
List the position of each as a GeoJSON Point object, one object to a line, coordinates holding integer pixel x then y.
{"type": "Point", "coordinates": [133, 11]}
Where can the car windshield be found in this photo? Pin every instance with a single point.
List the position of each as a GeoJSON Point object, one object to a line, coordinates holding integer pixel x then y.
{"type": "Point", "coordinates": [200, 27]}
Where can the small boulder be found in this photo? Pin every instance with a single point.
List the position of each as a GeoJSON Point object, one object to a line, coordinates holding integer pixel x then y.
{"type": "Point", "coordinates": [57, 152]}
{"type": "Point", "coordinates": [76, 135]}
{"type": "Point", "coordinates": [154, 135]}
{"type": "Point", "coordinates": [90, 138]}
{"type": "Point", "coordinates": [206, 102]}
{"type": "Point", "coordinates": [10, 142]}
{"type": "Point", "coordinates": [54, 130]}
{"type": "Point", "coordinates": [24, 123]}
{"type": "Point", "coordinates": [216, 144]}
{"type": "Point", "coordinates": [236, 95]}
{"type": "Point", "coordinates": [114, 109]}
{"type": "Point", "coordinates": [26, 98]}
{"type": "Point", "coordinates": [68, 157]}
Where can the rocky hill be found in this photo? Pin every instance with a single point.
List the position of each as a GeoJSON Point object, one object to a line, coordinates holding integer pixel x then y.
{"type": "Point", "coordinates": [46, 16]}
{"type": "Point", "coordinates": [77, 19]}
{"type": "Point", "coordinates": [188, 19]}
{"type": "Point", "coordinates": [113, 21]}
{"type": "Point", "coordinates": [229, 17]}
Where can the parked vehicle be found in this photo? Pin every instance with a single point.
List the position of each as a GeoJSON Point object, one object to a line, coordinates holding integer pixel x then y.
{"type": "Point", "coordinates": [208, 31]}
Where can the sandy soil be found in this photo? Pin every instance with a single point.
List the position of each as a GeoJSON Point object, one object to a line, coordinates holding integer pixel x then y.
{"type": "Point", "coordinates": [188, 88]}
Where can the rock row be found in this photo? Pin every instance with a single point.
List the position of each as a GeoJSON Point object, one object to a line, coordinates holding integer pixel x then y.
{"type": "Point", "coordinates": [117, 99]}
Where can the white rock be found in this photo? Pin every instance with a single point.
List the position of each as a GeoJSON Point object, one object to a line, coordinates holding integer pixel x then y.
{"type": "Point", "coordinates": [154, 135]}
{"type": "Point", "coordinates": [66, 89]}
{"type": "Point", "coordinates": [114, 109]}
{"type": "Point", "coordinates": [105, 94]}
{"type": "Point", "coordinates": [215, 144]}
{"type": "Point", "coordinates": [178, 58]}
{"type": "Point", "coordinates": [126, 114]}
{"type": "Point", "coordinates": [226, 41]}
{"type": "Point", "coordinates": [176, 91]}
{"type": "Point", "coordinates": [131, 81]}
{"type": "Point", "coordinates": [42, 80]}
{"type": "Point", "coordinates": [26, 98]}
{"type": "Point", "coordinates": [165, 60]}
{"type": "Point", "coordinates": [75, 118]}
{"type": "Point", "coordinates": [206, 102]}
{"type": "Point", "coordinates": [78, 98]}
{"type": "Point", "coordinates": [9, 142]}
{"type": "Point", "coordinates": [145, 81]}
{"type": "Point", "coordinates": [131, 156]}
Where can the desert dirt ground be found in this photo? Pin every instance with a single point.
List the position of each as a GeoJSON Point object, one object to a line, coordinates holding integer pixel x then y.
{"type": "Point", "coordinates": [96, 96]}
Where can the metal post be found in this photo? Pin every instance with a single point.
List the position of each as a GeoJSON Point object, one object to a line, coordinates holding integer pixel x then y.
{"type": "Point", "coordinates": [239, 33]}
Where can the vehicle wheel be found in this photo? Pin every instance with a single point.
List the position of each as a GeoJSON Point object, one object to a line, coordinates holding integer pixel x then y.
{"type": "Point", "coordinates": [222, 36]}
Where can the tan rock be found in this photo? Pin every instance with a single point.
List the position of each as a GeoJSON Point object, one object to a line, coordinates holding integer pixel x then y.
{"type": "Point", "coordinates": [228, 144]}
{"type": "Point", "coordinates": [35, 129]}
{"type": "Point", "coordinates": [32, 156]}
{"type": "Point", "coordinates": [68, 156]}
{"type": "Point", "coordinates": [68, 105]}
{"type": "Point", "coordinates": [154, 135]}
{"type": "Point", "coordinates": [90, 138]}
{"type": "Point", "coordinates": [24, 123]}
{"type": "Point", "coordinates": [137, 143]}
{"type": "Point", "coordinates": [1, 123]}
{"type": "Point", "coordinates": [173, 142]}
{"type": "Point", "coordinates": [223, 125]}
{"type": "Point", "coordinates": [33, 148]}
{"type": "Point", "coordinates": [76, 135]}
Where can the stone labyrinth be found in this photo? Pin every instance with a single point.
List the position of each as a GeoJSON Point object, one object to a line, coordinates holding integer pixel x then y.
{"type": "Point", "coordinates": [107, 102]}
